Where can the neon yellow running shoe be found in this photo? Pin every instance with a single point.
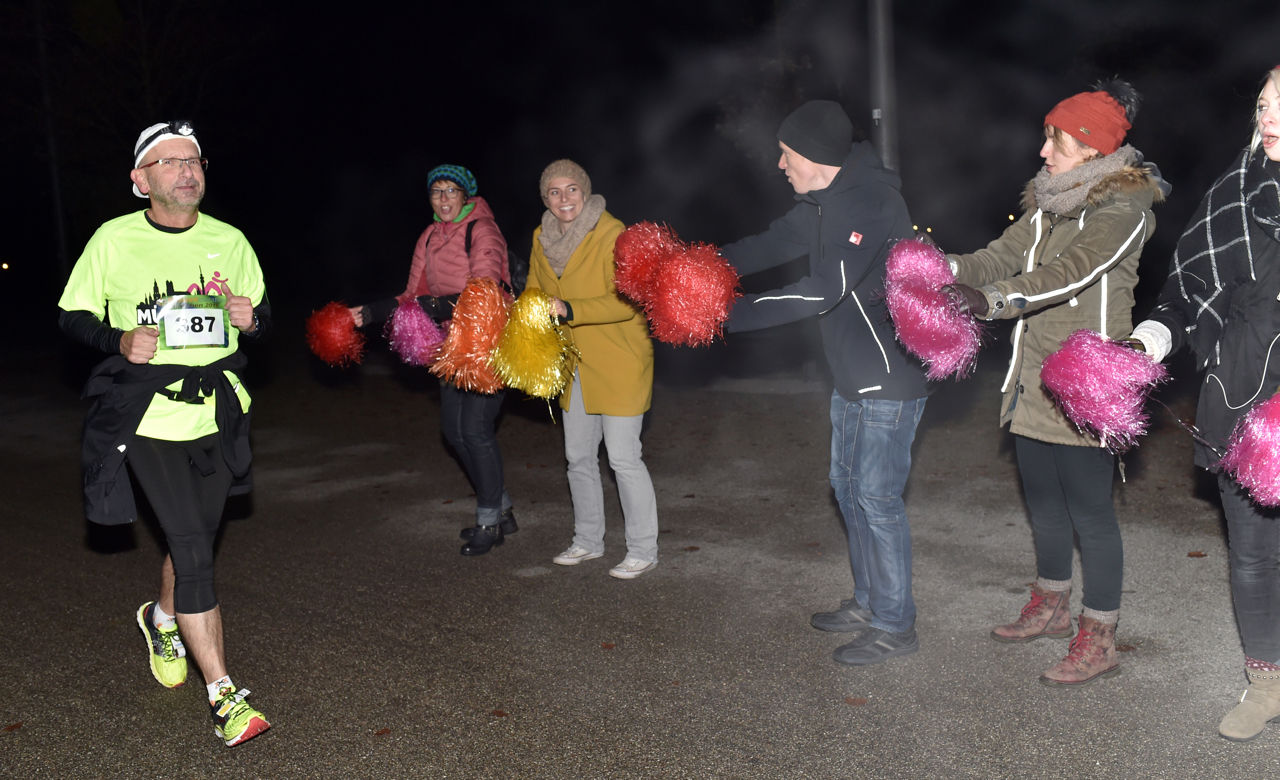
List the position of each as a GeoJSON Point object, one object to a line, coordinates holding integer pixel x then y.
{"type": "Point", "coordinates": [168, 655]}
{"type": "Point", "coordinates": [234, 721]}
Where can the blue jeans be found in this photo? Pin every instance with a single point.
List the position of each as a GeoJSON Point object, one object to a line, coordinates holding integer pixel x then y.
{"type": "Point", "coordinates": [870, 460]}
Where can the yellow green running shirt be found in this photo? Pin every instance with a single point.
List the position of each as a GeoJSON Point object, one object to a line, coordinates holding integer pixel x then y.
{"type": "Point", "coordinates": [128, 264]}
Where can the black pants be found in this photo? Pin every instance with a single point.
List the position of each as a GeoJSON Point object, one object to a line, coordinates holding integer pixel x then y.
{"type": "Point", "coordinates": [1254, 536]}
{"type": "Point", "coordinates": [189, 507]}
{"type": "Point", "coordinates": [1068, 490]}
{"type": "Point", "coordinates": [467, 420]}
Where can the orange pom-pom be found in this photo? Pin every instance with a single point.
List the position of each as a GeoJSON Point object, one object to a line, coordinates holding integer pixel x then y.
{"type": "Point", "coordinates": [332, 335]}
{"type": "Point", "coordinates": [478, 320]}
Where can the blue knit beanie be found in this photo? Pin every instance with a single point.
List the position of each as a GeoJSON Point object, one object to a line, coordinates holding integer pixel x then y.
{"type": "Point", "coordinates": [456, 174]}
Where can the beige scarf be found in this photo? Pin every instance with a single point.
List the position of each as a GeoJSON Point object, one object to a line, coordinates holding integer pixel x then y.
{"type": "Point", "coordinates": [1063, 193]}
{"type": "Point", "coordinates": [559, 247]}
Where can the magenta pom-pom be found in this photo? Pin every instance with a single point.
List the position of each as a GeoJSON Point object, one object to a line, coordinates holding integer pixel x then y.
{"type": "Point", "coordinates": [332, 335]}
{"type": "Point", "coordinates": [414, 335]}
{"type": "Point", "coordinates": [638, 253]}
{"type": "Point", "coordinates": [1253, 453]}
{"type": "Point", "coordinates": [1102, 385]}
{"type": "Point", "coordinates": [926, 321]}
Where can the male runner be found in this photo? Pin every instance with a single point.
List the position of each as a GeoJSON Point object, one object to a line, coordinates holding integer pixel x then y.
{"type": "Point", "coordinates": [169, 293]}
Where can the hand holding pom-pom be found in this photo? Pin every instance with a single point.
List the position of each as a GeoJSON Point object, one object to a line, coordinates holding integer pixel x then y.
{"type": "Point", "coordinates": [332, 335]}
{"type": "Point", "coordinates": [1102, 386]}
{"type": "Point", "coordinates": [927, 321]}
{"type": "Point", "coordinates": [533, 353]}
{"type": "Point", "coordinates": [1253, 453]}
{"type": "Point", "coordinates": [414, 335]}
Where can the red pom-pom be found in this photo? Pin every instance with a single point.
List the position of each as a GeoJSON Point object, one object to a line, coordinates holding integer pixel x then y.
{"type": "Point", "coordinates": [332, 335]}
{"type": "Point", "coordinates": [1253, 453]}
{"type": "Point", "coordinates": [413, 334]}
{"type": "Point", "coordinates": [637, 254]}
{"type": "Point", "coordinates": [1102, 386]}
{"type": "Point", "coordinates": [686, 290]}
{"type": "Point", "coordinates": [926, 322]}
{"type": "Point", "coordinates": [478, 320]}
{"type": "Point", "coordinates": [693, 293]}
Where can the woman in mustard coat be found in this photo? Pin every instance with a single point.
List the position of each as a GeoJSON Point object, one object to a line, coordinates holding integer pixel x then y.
{"type": "Point", "coordinates": [612, 380]}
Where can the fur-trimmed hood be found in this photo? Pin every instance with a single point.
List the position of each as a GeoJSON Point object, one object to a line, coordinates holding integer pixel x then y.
{"type": "Point", "coordinates": [1141, 182]}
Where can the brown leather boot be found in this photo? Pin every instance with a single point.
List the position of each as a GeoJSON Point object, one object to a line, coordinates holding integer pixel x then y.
{"type": "Point", "coordinates": [1259, 706]}
{"type": "Point", "coordinates": [1046, 614]}
{"type": "Point", "coordinates": [1092, 655]}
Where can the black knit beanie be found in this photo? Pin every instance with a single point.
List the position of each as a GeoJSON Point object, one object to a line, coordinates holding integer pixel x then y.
{"type": "Point", "coordinates": [819, 130]}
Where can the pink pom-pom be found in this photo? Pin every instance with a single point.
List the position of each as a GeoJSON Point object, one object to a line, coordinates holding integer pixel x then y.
{"type": "Point", "coordinates": [693, 293]}
{"type": "Point", "coordinates": [332, 335]}
{"type": "Point", "coordinates": [1253, 453]}
{"type": "Point", "coordinates": [414, 335]}
{"type": "Point", "coordinates": [637, 254]}
{"type": "Point", "coordinates": [1102, 386]}
{"type": "Point", "coordinates": [926, 321]}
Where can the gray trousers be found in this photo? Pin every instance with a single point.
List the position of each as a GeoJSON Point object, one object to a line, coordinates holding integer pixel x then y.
{"type": "Point", "coordinates": [582, 435]}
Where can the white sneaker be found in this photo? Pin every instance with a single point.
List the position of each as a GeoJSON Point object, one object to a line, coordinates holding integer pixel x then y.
{"type": "Point", "coordinates": [575, 555]}
{"type": "Point", "coordinates": [630, 568]}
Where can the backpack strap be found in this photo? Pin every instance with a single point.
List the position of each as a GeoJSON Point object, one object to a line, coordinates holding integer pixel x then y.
{"type": "Point", "coordinates": [466, 244]}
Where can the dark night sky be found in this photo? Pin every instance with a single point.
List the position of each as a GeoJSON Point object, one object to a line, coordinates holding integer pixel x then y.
{"type": "Point", "coordinates": [322, 125]}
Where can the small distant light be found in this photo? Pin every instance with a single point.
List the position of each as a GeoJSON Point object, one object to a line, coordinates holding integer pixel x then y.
{"type": "Point", "coordinates": [5, 266]}
{"type": "Point", "coordinates": [1010, 217]}
{"type": "Point", "coordinates": [928, 230]}
{"type": "Point", "coordinates": [915, 227]}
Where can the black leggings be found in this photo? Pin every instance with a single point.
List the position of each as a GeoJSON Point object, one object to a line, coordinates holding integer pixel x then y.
{"type": "Point", "coordinates": [467, 420]}
{"type": "Point", "coordinates": [1068, 489]}
{"type": "Point", "coordinates": [189, 508]}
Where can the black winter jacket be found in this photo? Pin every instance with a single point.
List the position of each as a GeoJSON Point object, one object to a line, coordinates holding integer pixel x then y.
{"type": "Point", "coordinates": [122, 393]}
{"type": "Point", "coordinates": [847, 230]}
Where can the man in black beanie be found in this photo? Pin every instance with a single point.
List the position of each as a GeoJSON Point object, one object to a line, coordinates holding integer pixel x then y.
{"type": "Point", "coordinates": [848, 216]}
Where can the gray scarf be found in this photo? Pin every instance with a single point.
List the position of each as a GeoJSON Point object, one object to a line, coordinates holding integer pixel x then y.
{"type": "Point", "coordinates": [559, 247]}
{"type": "Point", "coordinates": [1063, 193]}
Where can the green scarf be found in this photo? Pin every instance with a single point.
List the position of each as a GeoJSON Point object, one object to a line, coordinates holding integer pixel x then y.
{"type": "Point", "coordinates": [461, 216]}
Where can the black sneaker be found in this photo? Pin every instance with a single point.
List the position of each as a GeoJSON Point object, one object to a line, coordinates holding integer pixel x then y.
{"type": "Point", "coordinates": [849, 617]}
{"type": "Point", "coordinates": [877, 645]}
{"type": "Point", "coordinates": [507, 523]}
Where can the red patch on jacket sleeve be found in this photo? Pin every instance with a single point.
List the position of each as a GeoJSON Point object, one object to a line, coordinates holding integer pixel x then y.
{"type": "Point", "coordinates": [856, 238]}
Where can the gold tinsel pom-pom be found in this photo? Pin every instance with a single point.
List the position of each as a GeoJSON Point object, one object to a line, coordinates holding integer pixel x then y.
{"type": "Point", "coordinates": [478, 320]}
{"type": "Point", "coordinates": [533, 353]}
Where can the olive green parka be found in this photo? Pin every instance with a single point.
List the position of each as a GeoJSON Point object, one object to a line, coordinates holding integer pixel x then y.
{"type": "Point", "coordinates": [1058, 273]}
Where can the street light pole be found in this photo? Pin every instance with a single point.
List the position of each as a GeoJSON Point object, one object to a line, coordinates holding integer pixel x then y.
{"type": "Point", "coordinates": [884, 101]}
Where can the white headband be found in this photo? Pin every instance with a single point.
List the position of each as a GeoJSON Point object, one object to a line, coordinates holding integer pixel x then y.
{"type": "Point", "coordinates": [161, 131]}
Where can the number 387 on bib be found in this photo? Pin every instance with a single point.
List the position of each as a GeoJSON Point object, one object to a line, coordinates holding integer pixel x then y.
{"type": "Point", "coordinates": [188, 321]}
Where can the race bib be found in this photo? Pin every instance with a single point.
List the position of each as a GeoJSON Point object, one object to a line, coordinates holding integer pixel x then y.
{"type": "Point", "coordinates": [188, 321]}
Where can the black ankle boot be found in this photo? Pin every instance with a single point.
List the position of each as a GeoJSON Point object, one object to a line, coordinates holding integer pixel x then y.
{"type": "Point", "coordinates": [483, 538]}
{"type": "Point", "coordinates": [507, 524]}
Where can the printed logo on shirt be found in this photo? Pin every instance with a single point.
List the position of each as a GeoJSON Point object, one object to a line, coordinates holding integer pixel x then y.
{"type": "Point", "coordinates": [856, 238]}
{"type": "Point", "coordinates": [147, 307]}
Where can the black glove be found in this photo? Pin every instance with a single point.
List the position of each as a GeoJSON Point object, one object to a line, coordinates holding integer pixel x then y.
{"type": "Point", "coordinates": [967, 299]}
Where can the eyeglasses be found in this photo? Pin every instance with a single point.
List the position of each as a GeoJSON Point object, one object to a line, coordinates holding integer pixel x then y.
{"type": "Point", "coordinates": [174, 163]}
{"type": "Point", "coordinates": [451, 193]}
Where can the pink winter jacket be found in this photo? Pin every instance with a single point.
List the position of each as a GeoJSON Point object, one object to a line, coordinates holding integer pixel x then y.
{"type": "Point", "coordinates": [440, 262]}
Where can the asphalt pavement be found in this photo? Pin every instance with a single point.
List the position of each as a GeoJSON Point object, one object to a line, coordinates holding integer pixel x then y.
{"type": "Point", "coordinates": [377, 651]}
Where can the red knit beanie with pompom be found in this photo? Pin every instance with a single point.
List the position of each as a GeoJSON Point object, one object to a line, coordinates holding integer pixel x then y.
{"type": "Point", "coordinates": [1095, 119]}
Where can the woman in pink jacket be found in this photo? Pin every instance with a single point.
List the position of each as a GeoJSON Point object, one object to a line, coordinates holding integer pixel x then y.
{"type": "Point", "coordinates": [462, 242]}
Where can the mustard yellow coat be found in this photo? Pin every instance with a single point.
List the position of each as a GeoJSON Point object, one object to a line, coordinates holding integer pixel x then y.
{"type": "Point", "coordinates": [612, 335]}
